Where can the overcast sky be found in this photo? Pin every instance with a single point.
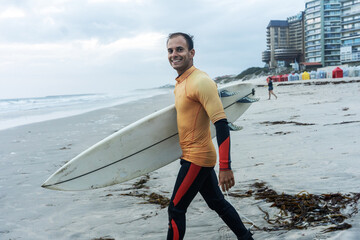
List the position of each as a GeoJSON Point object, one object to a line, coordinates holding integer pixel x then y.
{"type": "Point", "coordinates": [108, 46]}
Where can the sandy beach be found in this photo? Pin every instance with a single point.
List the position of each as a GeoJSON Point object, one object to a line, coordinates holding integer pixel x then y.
{"type": "Point", "coordinates": [306, 140]}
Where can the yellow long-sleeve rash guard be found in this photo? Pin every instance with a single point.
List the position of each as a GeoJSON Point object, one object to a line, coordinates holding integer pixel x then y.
{"type": "Point", "coordinates": [197, 102]}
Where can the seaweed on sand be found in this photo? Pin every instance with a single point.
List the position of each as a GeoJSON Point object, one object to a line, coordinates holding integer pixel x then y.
{"type": "Point", "coordinates": [104, 238]}
{"type": "Point", "coordinates": [304, 210]}
{"type": "Point", "coordinates": [285, 122]}
{"type": "Point", "coordinates": [152, 198]}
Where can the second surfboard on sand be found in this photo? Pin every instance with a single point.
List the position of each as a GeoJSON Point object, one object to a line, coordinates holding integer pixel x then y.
{"type": "Point", "coordinates": [142, 147]}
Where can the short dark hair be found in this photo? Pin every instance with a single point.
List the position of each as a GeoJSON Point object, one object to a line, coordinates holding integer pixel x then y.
{"type": "Point", "coordinates": [188, 38]}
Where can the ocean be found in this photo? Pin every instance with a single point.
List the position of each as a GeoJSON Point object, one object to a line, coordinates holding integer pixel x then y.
{"type": "Point", "coordinates": [21, 111]}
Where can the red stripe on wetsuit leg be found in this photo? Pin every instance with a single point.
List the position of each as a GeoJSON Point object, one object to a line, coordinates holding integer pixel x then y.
{"type": "Point", "coordinates": [224, 153]}
{"type": "Point", "coordinates": [175, 230]}
{"type": "Point", "coordinates": [188, 180]}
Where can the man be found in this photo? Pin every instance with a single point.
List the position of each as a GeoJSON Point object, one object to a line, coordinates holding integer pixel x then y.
{"type": "Point", "coordinates": [197, 102]}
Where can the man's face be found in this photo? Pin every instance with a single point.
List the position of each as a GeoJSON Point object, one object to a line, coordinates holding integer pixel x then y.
{"type": "Point", "coordinates": [179, 56]}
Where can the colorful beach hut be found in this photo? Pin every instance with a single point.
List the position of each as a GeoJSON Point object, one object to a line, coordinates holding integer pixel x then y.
{"type": "Point", "coordinates": [329, 73]}
{"type": "Point", "coordinates": [313, 75]}
{"type": "Point", "coordinates": [321, 75]}
{"type": "Point", "coordinates": [296, 76]}
{"type": "Point", "coordinates": [276, 78]}
{"type": "Point", "coordinates": [291, 77]}
{"type": "Point", "coordinates": [305, 76]}
{"type": "Point", "coordinates": [356, 72]}
{"type": "Point", "coordinates": [337, 73]}
{"type": "Point", "coordinates": [351, 72]}
{"type": "Point", "coordinates": [284, 78]}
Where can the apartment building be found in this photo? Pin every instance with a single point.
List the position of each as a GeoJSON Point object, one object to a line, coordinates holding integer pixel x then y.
{"type": "Point", "coordinates": [313, 32]}
{"type": "Point", "coordinates": [323, 32]}
{"type": "Point", "coordinates": [296, 34]}
{"type": "Point", "coordinates": [276, 38]}
{"type": "Point", "coordinates": [350, 35]}
{"type": "Point", "coordinates": [285, 41]}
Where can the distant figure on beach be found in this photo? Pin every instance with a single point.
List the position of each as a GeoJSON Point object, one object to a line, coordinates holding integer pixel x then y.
{"type": "Point", "coordinates": [271, 88]}
{"type": "Point", "coordinates": [197, 102]}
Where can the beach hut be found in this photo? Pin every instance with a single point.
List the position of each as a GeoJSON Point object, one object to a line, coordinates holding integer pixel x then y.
{"type": "Point", "coordinates": [337, 73]}
{"type": "Point", "coordinates": [346, 72]}
{"type": "Point", "coordinates": [313, 75]}
{"type": "Point", "coordinates": [328, 73]}
{"type": "Point", "coordinates": [356, 72]}
{"type": "Point", "coordinates": [305, 76]}
{"type": "Point", "coordinates": [296, 77]}
{"type": "Point", "coordinates": [321, 75]}
{"type": "Point", "coordinates": [351, 72]}
{"type": "Point", "coordinates": [284, 78]}
{"type": "Point", "coordinates": [292, 77]}
{"type": "Point", "coordinates": [276, 78]}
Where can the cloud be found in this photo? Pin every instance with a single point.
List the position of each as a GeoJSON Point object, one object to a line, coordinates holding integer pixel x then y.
{"type": "Point", "coordinates": [12, 13]}
{"type": "Point", "coordinates": [88, 50]}
{"type": "Point", "coordinates": [48, 10]}
{"type": "Point", "coordinates": [143, 41]}
{"type": "Point", "coordinates": [117, 1]}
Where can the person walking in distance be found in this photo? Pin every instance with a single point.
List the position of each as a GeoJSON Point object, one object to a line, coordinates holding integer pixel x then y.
{"type": "Point", "coordinates": [270, 87]}
{"type": "Point", "coordinates": [197, 103]}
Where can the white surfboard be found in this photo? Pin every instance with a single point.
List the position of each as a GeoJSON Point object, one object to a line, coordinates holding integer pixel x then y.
{"type": "Point", "coordinates": [142, 147]}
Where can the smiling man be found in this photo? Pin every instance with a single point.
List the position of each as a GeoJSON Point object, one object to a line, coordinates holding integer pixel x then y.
{"type": "Point", "coordinates": [197, 103]}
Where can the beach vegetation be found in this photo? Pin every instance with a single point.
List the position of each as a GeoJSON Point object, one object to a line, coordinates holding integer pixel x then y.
{"type": "Point", "coordinates": [250, 73]}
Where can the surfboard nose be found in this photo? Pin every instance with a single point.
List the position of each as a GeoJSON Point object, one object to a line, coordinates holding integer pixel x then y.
{"type": "Point", "coordinates": [46, 185]}
{"type": "Point", "coordinates": [50, 184]}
